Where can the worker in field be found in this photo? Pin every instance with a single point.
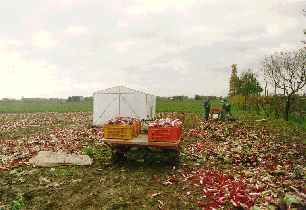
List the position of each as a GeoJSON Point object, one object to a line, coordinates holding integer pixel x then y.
{"type": "Point", "coordinates": [206, 105]}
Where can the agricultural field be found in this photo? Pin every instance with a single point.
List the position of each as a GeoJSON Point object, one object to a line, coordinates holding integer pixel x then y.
{"type": "Point", "coordinates": [187, 105]}
{"type": "Point", "coordinates": [162, 105]}
{"type": "Point", "coordinates": [20, 106]}
{"type": "Point", "coordinates": [232, 164]}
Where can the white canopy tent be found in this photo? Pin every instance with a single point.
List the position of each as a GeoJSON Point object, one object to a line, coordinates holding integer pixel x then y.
{"type": "Point", "coordinates": [122, 101]}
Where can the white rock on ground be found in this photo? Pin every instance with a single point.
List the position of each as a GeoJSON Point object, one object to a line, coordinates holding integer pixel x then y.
{"type": "Point", "coordinates": [49, 159]}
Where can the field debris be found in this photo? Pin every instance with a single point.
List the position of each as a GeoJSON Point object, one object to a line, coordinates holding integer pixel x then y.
{"type": "Point", "coordinates": [224, 165]}
{"type": "Point", "coordinates": [22, 136]}
{"type": "Point", "coordinates": [260, 165]}
{"type": "Point", "coordinates": [50, 159]}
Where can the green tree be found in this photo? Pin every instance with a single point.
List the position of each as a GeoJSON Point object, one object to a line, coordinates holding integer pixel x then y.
{"type": "Point", "coordinates": [248, 85]}
{"type": "Point", "coordinates": [233, 81]}
{"type": "Point", "coordinates": [198, 97]}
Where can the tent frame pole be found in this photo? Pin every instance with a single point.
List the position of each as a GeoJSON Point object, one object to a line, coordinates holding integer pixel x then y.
{"type": "Point", "coordinates": [119, 109]}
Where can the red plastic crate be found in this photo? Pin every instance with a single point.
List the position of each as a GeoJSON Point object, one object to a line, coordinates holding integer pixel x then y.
{"type": "Point", "coordinates": [164, 134]}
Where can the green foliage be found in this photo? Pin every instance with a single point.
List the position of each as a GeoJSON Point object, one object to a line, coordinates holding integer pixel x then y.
{"type": "Point", "coordinates": [271, 207]}
{"type": "Point", "coordinates": [248, 84]}
{"type": "Point", "coordinates": [198, 97]}
{"type": "Point", "coordinates": [62, 171]}
{"type": "Point", "coordinates": [290, 199]}
{"type": "Point", "coordinates": [233, 81]}
{"type": "Point", "coordinates": [89, 151]}
{"type": "Point", "coordinates": [96, 152]}
{"type": "Point", "coordinates": [17, 204]}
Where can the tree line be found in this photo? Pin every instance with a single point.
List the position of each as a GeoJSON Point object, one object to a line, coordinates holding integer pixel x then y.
{"type": "Point", "coordinates": [284, 71]}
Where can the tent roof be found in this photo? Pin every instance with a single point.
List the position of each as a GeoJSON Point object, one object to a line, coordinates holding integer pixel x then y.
{"type": "Point", "coordinates": [119, 89]}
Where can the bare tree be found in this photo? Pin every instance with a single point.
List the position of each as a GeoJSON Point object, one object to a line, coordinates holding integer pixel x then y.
{"type": "Point", "coordinates": [287, 70]}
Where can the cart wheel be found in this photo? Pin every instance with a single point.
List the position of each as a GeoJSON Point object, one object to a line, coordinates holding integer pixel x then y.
{"type": "Point", "coordinates": [176, 159]}
{"type": "Point", "coordinates": [118, 155]}
{"type": "Point", "coordinates": [173, 156]}
{"type": "Point", "coordinates": [148, 159]}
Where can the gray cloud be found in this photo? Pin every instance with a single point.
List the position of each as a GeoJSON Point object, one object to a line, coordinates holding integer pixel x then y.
{"type": "Point", "coordinates": [163, 46]}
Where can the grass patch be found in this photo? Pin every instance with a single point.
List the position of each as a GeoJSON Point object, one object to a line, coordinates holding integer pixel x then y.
{"type": "Point", "coordinates": [64, 171]}
{"type": "Point", "coordinates": [97, 152]}
{"type": "Point", "coordinates": [44, 106]}
{"type": "Point", "coordinates": [187, 105]}
{"type": "Point", "coordinates": [17, 204]}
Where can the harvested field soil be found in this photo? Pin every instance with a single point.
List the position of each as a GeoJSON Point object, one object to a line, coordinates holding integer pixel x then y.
{"type": "Point", "coordinates": [222, 165]}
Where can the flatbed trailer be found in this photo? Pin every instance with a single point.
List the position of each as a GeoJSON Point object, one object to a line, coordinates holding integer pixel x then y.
{"type": "Point", "coordinates": [120, 147]}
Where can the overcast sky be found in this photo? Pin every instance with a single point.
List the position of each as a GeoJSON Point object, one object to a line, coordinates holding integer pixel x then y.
{"type": "Point", "coordinates": [57, 48]}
